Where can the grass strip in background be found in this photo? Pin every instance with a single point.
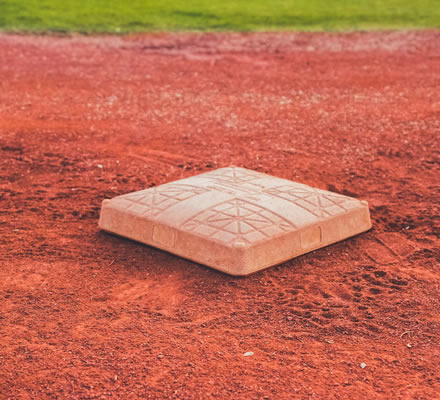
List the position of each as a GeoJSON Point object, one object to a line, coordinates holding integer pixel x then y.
{"type": "Point", "coordinates": [98, 16]}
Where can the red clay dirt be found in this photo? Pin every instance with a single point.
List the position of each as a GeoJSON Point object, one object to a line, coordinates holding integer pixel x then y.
{"type": "Point", "coordinates": [87, 315]}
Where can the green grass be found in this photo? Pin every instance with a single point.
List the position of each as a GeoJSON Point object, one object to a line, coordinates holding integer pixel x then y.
{"type": "Point", "coordinates": [218, 15]}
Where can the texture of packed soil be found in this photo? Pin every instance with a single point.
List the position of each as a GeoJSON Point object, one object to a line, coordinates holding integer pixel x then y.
{"type": "Point", "coordinates": [87, 315]}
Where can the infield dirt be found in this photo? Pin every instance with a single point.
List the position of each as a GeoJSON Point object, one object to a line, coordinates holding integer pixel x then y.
{"type": "Point", "coordinates": [87, 315]}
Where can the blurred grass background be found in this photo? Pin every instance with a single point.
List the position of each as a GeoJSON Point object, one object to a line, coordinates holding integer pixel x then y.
{"type": "Point", "coordinates": [120, 16]}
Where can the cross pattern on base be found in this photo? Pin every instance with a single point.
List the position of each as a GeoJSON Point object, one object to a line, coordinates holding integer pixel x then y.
{"type": "Point", "coordinates": [237, 220]}
{"type": "Point", "coordinates": [155, 201]}
{"type": "Point", "coordinates": [315, 201]}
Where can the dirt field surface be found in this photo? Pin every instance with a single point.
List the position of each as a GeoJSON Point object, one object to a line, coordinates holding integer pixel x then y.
{"type": "Point", "coordinates": [88, 315]}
